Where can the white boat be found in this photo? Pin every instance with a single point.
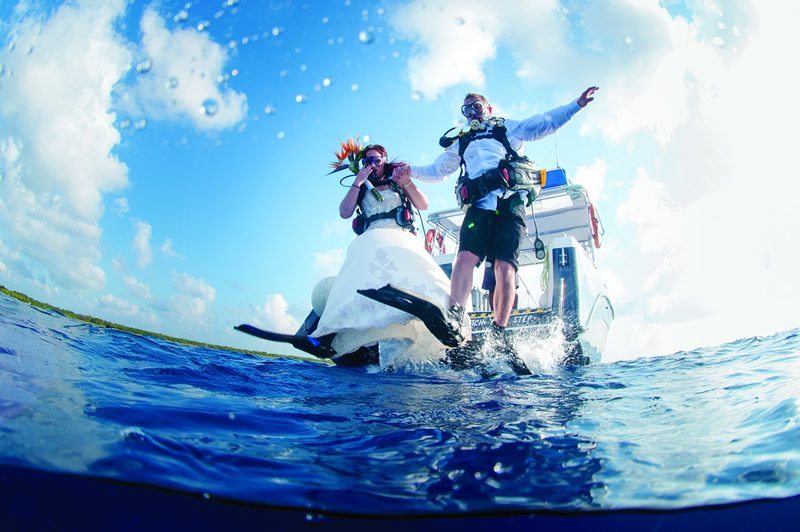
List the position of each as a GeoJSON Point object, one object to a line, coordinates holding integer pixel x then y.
{"type": "Point", "coordinates": [571, 296]}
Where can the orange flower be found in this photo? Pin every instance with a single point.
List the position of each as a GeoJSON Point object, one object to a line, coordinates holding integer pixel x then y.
{"type": "Point", "coordinates": [349, 156]}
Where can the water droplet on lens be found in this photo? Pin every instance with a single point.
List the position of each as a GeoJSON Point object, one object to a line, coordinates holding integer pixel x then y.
{"type": "Point", "coordinates": [144, 66]}
{"type": "Point", "coordinates": [231, 416]}
{"type": "Point", "coordinates": [171, 83]}
{"type": "Point", "coordinates": [276, 30]}
{"type": "Point", "coordinates": [366, 138]}
{"type": "Point", "coordinates": [280, 135]}
{"type": "Point", "coordinates": [719, 42]}
{"type": "Point", "coordinates": [181, 16]}
{"type": "Point", "coordinates": [203, 25]}
{"type": "Point", "coordinates": [230, 3]}
{"type": "Point", "coordinates": [380, 11]}
{"type": "Point", "coordinates": [325, 20]}
{"type": "Point", "coordinates": [460, 21]}
{"type": "Point", "coordinates": [303, 68]}
{"type": "Point", "coordinates": [140, 124]}
{"type": "Point", "coordinates": [209, 107]}
{"type": "Point", "coordinates": [326, 82]}
{"type": "Point", "coordinates": [206, 496]}
{"type": "Point", "coordinates": [365, 37]}
{"type": "Point", "coordinates": [283, 73]}
{"type": "Point", "coordinates": [270, 109]}
{"type": "Point", "coordinates": [354, 87]}
{"type": "Point", "coordinates": [628, 40]}
{"type": "Point", "coordinates": [125, 123]}
{"type": "Point", "coordinates": [301, 98]}
{"type": "Point", "coordinates": [2, 69]}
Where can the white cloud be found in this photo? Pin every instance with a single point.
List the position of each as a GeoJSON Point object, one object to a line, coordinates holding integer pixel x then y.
{"type": "Point", "coordinates": [183, 78]}
{"type": "Point", "coordinates": [168, 250]}
{"type": "Point", "coordinates": [141, 243]}
{"type": "Point", "coordinates": [328, 262]}
{"type": "Point", "coordinates": [121, 206]}
{"type": "Point", "coordinates": [138, 288]}
{"type": "Point", "coordinates": [274, 315]}
{"type": "Point", "coordinates": [118, 306]}
{"type": "Point", "coordinates": [194, 297]}
{"type": "Point", "coordinates": [715, 257]}
{"type": "Point", "coordinates": [593, 179]}
{"type": "Point", "coordinates": [333, 227]}
{"type": "Point", "coordinates": [56, 145]}
{"type": "Point", "coordinates": [455, 39]}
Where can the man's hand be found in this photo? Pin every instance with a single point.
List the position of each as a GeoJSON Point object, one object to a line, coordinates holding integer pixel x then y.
{"type": "Point", "coordinates": [587, 96]}
{"type": "Point", "coordinates": [401, 174]}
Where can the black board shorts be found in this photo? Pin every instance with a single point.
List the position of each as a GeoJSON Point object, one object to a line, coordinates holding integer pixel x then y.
{"type": "Point", "coordinates": [497, 234]}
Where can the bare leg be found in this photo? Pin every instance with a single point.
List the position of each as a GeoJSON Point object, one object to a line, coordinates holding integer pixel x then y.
{"type": "Point", "coordinates": [504, 291]}
{"type": "Point", "coordinates": [461, 279]}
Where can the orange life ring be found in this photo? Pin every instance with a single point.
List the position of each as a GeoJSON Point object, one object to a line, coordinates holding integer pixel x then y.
{"type": "Point", "coordinates": [595, 232]}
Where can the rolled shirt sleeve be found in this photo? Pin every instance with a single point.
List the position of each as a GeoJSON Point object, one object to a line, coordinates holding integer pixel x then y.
{"type": "Point", "coordinates": [544, 124]}
{"type": "Point", "coordinates": [444, 165]}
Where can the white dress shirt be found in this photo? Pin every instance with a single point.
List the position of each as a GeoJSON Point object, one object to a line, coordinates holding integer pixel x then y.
{"type": "Point", "coordinates": [485, 154]}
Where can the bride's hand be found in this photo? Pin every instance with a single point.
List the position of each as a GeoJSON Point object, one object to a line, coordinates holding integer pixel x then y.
{"type": "Point", "coordinates": [362, 176]}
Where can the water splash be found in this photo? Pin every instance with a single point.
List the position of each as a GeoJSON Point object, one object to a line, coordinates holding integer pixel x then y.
{"type": "Point", "coordinates": [209, 107]}
{"type": "Point", "coordinates": [270, 109]}
{"type": "Point", "coordinates": [144, 65]}
{"type": "Point", "coordinates": [365, 37]}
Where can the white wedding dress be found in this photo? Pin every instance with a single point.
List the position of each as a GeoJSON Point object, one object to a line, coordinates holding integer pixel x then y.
{"type": "Point", "coordinates": [385, 253]}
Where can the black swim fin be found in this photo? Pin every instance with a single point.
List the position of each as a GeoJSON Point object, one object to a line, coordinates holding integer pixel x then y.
{"type": "Point", "coordinates": [445, 330]}
{"type": "Point", "coordinates": [319, 347]}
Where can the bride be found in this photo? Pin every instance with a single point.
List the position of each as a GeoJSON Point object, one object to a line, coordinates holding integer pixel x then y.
{"type": "Point", "coordinates": [386, 251]}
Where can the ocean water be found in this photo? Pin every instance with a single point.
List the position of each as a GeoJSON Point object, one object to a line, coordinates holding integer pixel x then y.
{"type": "Point", "coordinates": [714, 425]}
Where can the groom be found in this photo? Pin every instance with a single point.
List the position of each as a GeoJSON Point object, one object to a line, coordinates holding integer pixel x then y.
{"type": "Point", "coordinates": [494, 223]}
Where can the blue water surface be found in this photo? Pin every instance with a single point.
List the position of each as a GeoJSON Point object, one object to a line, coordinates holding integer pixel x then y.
{"type": "Point", "coordinates": [711, 425]}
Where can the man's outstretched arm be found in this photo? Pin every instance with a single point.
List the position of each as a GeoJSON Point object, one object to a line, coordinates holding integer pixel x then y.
{"type": "Point", "coordinates": [539, 126]}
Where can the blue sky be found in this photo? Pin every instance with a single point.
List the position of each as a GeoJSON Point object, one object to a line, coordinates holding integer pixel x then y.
{"type": "Point", "coordinates": [162, 164]}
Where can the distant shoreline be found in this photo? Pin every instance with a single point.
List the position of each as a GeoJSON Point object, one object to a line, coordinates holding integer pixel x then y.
{"type": "Point", "coordinates": [139, 332]}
